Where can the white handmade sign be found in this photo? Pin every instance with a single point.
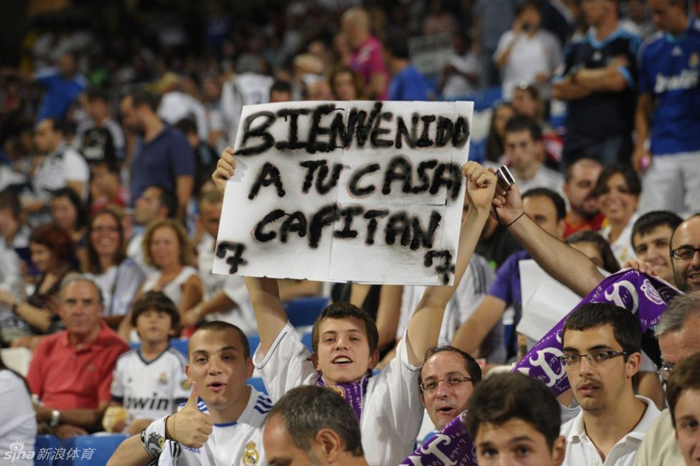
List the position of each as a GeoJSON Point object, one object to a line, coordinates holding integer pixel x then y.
{"type": "Point", "coordinates": [347, 191]}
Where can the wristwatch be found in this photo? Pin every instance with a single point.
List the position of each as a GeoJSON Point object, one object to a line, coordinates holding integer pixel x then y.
{"type": "Point", "coordinates": [55, 418]}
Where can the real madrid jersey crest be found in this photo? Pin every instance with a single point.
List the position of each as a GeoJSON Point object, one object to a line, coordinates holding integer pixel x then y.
{"type": "Point", "coordinates": [233, 444]}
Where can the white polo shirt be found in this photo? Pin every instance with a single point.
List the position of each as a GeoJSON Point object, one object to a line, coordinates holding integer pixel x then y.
{"type": "Point", "coordinates": [580, 450]}
{"type": "Point", "coordinates": [391, 413]}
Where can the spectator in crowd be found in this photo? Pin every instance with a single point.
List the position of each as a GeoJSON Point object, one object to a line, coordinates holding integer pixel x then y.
{"type": "Point", "coordinates": [13, 231]}
{"type": "Point", "coordinates": [526, 53]}
{"type": "Point", "coordinates": [366, 57]}
{"type": "Point", "coordinates": [68, 212]}
{"type": "Point", "coordinates": [62, 167]}
{"type": "Point", "coordinates": [406, 81]}
{"type": "Point", "coordinates": [597, 80]}
{"type": "Point", "coordinates": [547, 208]}
{"type": "Point", "coordinates": [495, 141]}
{"type": "Point", "coordinates": [346, 83]}
{"type": "Point", "coordinates": [118, 277]}
{"type": "Point", "coordinates": [149, 382]}
{"type": "Point", "coordinates": [651, 241]}
{"type": "Point", "coordinates": [685, 245]}
{"type": "Point", "coordinates": [280, 91]}
{"type": "Point", "coordinates": [684, 406]}
{"type": "Point", "coordinates": [527, 101]}
{"type": "Point", "coordinates": [16, 415]}
{"type": "Point", "coordinates": [345, 342]}
{"type": "Point", "coordinates": [613, 421]}
{"type": "Point", "coordinates": [514, 419]}
{"type": "Point", "coordinates": [447, 380]}
{"type": "Point", "coordinates": [156, 203]}
{"type": "Point", "coordinates": [523, 145]}
{"type": "Point", "coordinates": [223, 416]}
{"type": "Point", "coordinates": [12, 289]}
{"type": "Point", "coordinates": [678, 333]}
{"type": "Point", "coordinates": [53, 254]}
{"type": "Point", "coordinates": [176, 105]}
{"type": "Point", "coordinates": [638, 20]}
{"type": "Point", "coordinates": [204, 156]}
{"type": "Point", "coordinates": [439, 20]}
{"type": "Point", "coordinates": [579, 181]}
{"type": "Point", "coordinates": [211, 98]}
{"type": "Point", "coordinates": [667, 115]}
{"type": "Point", "coordinates": [617, 191]}
{"type": "Point", "coordinates": [62, 87]}
{"type": "Point", "coordinates": [312, 425]}
{"type": "Point", "coordinates": [316, 87]}
{"type": "Point", "coordinates": [105, 187]}
{"type": "Point", "coordinates": [71, 371]}
{"type": "Point", "coordinates": [225, 297]}
{"type": "Point", "coordinates": [460, 75]}
{"type": "Point", "coordinates": [596, 248]}
{"type": "Point", "coordinates": [162, 157]}
{"type": "Point", "coordinates": [492, 19]}
{"type": "Point", "coordinates": [100, 139]}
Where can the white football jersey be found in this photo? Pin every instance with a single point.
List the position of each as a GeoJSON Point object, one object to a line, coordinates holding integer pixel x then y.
{"type": "Point", "coordinates": [243, 89]}
{"type": "Point", "coordinates": [150, 389]}
{"type": "Point", "coordinates": [234, 444]}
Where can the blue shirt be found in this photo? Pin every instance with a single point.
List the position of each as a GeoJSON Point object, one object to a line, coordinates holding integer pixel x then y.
{"type": "Point", "coordinates": [670, 72]}
{"type": "Point", "coordinates": [60, 93]}
{"type": "Point", "coordinates": [409, 84]}
{"type": "Point", "coordinates": [160, 161]}
{"type": "Point", "coordinates": [601, 115]}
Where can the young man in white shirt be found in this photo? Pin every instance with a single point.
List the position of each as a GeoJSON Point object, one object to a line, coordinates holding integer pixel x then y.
{"type": "Point", "coordinates": [221, 423]}
{"type": "Point", "coordinates": [345, 342]}
{"type": "Point", "coordinates": [602, 352]}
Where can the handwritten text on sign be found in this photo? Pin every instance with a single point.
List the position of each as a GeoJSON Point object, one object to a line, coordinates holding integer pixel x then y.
{"type": "Point", "coordinates": [347, 191]}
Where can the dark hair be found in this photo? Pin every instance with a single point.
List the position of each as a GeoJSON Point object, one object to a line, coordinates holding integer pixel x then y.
{"type": "Point", "coordinates": [308, 409]}
{"type": "Point", "coordinates": [534, 4]}
{"type": "Point", "coordinates": [58, 125]}
{"type": "Point", "coordinates": [356, 80]}
{"type": "Point", "coordinates": [91, 262]}
{"type": "Point", "coordinates": [685, 376]}
{"type": "Point", "coordinates": [187, 126]}
{"type": "Point", "coordinates": [56, 239]}
{"type": "Point", "coordinates": [10, 200]}
{"type": "Point", "coordinates": [155, 300]}
{"type": "Point", "coordinates": [221, 326]}
{"type": "Point", "coordinates": [652, 220]}
{"type": "Point", "coordinates": [583, 160]}
{"type": "Point", "coordinates": [344, 310]}
{"type": "Point", "coordinates": [494, 143]}
{"type": "Point", "coordinates": [626, 329]}
{"type": "Point", "coordinates": [503, 397]}
{"type": "Point", "coordinates": [553, 196]}
{"type": "Point", "coordinates": [168, 199]}
{"type": "Point", "coordinates": [610, 263]}
{"type": "Point", "coordinates": [534, 94]}
{"type": "Point", "coordinates": [97, 94]}
{"type": "Point", "coordinates": [627, 172]}
{"type": "Point", "coordinates": [147, 98]}
{"type": "Point", "coordinates": [470, 363]}
{"type": "Point", "coordinates": [281, 86]}
{"type": "Point", "coordinates": [524, 123]}
{"type": "Point", "coordinates": [81, 211]}
{"type": "Point", "coordinates": [397, 45]}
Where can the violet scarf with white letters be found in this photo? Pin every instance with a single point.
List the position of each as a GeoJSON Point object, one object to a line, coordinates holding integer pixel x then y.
{"type": "Point", "coordinates": [645, 296]}
{"type": "Point", "coordinates": [352, 392]}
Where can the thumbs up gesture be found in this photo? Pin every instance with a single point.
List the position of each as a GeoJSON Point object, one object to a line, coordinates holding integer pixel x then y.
{"type": "Point", "coordinates": [190, 427]}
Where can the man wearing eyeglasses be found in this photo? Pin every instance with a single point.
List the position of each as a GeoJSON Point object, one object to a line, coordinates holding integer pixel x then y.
{"type": "Point", "coordinates": [601, 346]}
{"type": "Point", "coordinates": [678, 333]}
{"type": "Point", "coordinates": [685, 255]}
{"type": "Point", "coordinates": [447, 380]}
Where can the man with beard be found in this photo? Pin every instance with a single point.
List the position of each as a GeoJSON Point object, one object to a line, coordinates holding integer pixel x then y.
{"type": "Point", "coordinates": [602, 352]}
{"type": "Point", "coordinates": [162, 156]}
{"type": "Point", "coordinates": [580, 179]}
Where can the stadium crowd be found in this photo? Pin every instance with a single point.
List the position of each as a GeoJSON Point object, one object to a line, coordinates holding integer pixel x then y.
{"type": "Point", "coordinates": [115, 152]}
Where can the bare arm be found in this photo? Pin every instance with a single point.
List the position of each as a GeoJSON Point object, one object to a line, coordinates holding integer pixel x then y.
{"type": "Point", "coordinates": [269, 313]}
{"type": "Point", "coordinates": [301, 289]}
{"type": "Point", "coordinates": [642, 124]}
{"type": "Point", "coordinates": [377, 85]}
{"type": "Point", "coordinates": [566, 264]}
{"type": "Point", "coordinates": [183, 189]}
{"type": "Point", "coordinates": [566, 90]}
{"type": "Point", "coordinates": [191, 293]}
{"type": "Point", "coordinates": [90, 419]}
{"type": "Point", "coordinates": [131, 452]}
{"type": "Point", "coordinates": [608, 79]}
{"type": "Point", "coordinates": [471, 334]}
{"type": "Point", "coordinates": [34, 316]}
{"type": "Point", "coordinates": [424, 328]}
{"type": "Point", "coordinates": [388, 314]}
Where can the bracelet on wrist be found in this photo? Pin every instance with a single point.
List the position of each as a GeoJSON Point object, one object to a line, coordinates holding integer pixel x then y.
{"type": "Point", "coordinates": [516, 219]}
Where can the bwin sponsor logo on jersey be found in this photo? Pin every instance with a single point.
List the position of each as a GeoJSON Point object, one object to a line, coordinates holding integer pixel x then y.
{"type": "Point", "coordinates": [146, 403]}
{"type": "Point", "coordinates": [688, 79]}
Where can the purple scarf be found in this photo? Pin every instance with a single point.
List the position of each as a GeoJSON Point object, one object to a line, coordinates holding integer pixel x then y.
{"type": "Point", "coordinates": [643, 295]}
{"type": "Point", "coordinates": [353, 392]}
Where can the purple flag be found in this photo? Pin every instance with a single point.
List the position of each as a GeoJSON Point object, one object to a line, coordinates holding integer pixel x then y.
{"type": "Point", "coordinates": [645, 296]}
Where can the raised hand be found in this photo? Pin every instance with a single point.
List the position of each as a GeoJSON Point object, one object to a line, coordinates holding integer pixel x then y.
{"type": "Point", "coordinates": [508, 204]}
{"type": "Point", "coordinates": [481, 185]}
{"type": "Point", "coordinates": [225, 168]}
{"type": "Point", "coordinates": [190, 426]}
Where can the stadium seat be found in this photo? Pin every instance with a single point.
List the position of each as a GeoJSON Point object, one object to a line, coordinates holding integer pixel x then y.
{"type": "Point", "coordinates": [253, 342]}
{"type": "Point", "coordinates": [258, 383]}
{"type": "Point", "coordinates": [306, 340]}
{"type": "Point", "coordinates": [302, 312]}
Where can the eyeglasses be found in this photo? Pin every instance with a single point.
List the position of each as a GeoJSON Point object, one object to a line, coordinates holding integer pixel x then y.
{"type": "Point", "coordinates": [684, 253]}
{"type": "Point", "coordinates": [452, 381]}
{"type": "Point", "coordinates": [666, 369]}
{"type": "Point", "coordinates": [594, 358]}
